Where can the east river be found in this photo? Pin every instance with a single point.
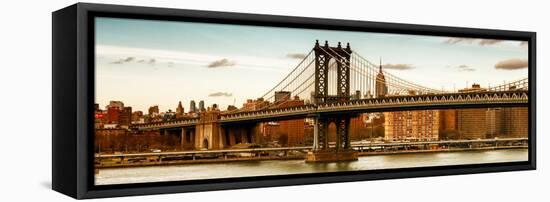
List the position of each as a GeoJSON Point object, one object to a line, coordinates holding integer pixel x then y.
{"type": "Point", "coordinates": [281, 167]}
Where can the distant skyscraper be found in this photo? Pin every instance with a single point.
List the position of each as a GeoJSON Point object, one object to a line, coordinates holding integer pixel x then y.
{"type": "Point", "coordinates": [381, 86]}
{"type": "Point", "coordinates": [179, 109]}
{"type": "Point", "coordinates": [192, 106]}
{"type": "Point", "coordinates": [201, 105]}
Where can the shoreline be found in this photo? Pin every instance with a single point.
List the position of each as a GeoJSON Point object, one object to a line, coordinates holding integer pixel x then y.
{"type": "Point", "coordinates": [297, 157]}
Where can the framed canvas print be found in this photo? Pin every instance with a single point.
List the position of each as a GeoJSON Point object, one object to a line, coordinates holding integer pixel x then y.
{"type": "Point", "coordinates": [156, 100]}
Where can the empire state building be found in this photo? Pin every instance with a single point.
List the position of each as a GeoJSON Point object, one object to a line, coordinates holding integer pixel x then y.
{"type": "Point", "coordinates": [381, 86]}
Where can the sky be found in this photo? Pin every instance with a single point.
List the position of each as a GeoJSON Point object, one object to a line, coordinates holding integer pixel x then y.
{"type": "Point", "coordinates": [149, 62]}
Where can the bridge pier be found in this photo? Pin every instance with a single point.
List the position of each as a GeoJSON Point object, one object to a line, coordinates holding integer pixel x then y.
{"type": "Point", "coordinates": [315, 133]}
{"type": "Point", "coordinates": [321, 151]}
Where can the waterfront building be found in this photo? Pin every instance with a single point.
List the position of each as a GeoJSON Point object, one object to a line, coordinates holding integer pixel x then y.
{"type": "Point", "coordinates": [113, 115]}
{"type": "Point", "coordinates": [417, 125]}
{"type": "Point", "coordinates": [472, 123]}
{"type": "Point", "coordinates": [494, 119]}
{"type": "Point", "coordinates": [448, 124]}
{"type": "Point", "coordinates": [125, 116]}
{"type": "Point", "coordinates": [515, 122]}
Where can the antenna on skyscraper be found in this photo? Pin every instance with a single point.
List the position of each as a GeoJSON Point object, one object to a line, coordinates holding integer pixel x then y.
{"type": "Point", "coordinates": [380, 63]}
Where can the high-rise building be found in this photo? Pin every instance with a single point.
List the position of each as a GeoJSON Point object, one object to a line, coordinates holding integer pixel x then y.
{"type": "Point", "coordinates": [515, 121]}
{"type": "Point", "coordinates": [494, 122]}
{"type": "Point", "coordinates": [472, 123]}
{"type": "Point", "coordinates": [113, 115]}
{"type": "Point", "coordinates": [125, 116]}
{"type": "Point", "coordinates": [192, 106]}
{"type": "Point", "coordinates": [417, 125]}
{"type": "Point", "coordinates": [201, 105]}
{"type": "Point", "coordinates": [448, 124]}
{"type": "Point", "coordinates": [154, 111]}
{"type": "Point", "coordinates": [179, 110]}
{"type": "Point", "coordinates": [381, 86]}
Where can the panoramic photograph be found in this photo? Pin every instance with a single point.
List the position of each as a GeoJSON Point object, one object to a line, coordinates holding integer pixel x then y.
{"type": "Point", "coordinates": [177, 101]}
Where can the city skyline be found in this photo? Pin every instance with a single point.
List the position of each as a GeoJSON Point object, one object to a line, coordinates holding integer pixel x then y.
{"type": "Point", "coordinates": [171, 61]}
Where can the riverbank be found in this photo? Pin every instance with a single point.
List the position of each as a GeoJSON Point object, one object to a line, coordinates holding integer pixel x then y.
{"type": "Point", "coordinates": [290, 157]}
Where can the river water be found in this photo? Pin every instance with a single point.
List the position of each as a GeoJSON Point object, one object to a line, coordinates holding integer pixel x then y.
{"type": "Point", "coordinates": [281, 167]}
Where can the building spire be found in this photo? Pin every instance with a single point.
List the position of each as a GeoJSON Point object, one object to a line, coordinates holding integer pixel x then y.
{"type": "Point", "coordinates": [380, 64]}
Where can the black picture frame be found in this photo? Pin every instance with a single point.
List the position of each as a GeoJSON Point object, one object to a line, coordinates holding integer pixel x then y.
{"type": "Point", "coordinates": [73, 100]}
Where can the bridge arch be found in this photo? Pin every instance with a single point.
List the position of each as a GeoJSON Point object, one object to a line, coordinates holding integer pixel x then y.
{"type": "Point", "coordinates": [332, 78]}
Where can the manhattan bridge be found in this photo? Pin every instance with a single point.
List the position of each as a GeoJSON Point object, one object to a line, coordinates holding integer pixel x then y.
{"type": "Point", "coordinates": [338, 84]}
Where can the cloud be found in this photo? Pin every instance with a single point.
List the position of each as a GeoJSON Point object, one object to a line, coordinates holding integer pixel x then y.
{"type": "Point", "coordinates": [482, 42]}
{"type": "Point", "coordinates": [220, 94]}
{"type": "Point", "coordinates": [162, 57]}
{"type": "Point", "coordinates": [221, 63]}
{"type": "Point", "coordinates": [129, 59]}
{"type": "Point", "coordinates": [125, 60]}
{"type": "Point", "coordinates": [512, 64]}
{"type": "Point", "coordinates": [150, 61]}
{"type": "Point", "coordinates": [455, 40]}
{"type": "Point", "coordinates": [296, 55]}
{"type": "Point", "coordinates": [398, 66]}
{"type": "Point", "coordinates": [465, 68]}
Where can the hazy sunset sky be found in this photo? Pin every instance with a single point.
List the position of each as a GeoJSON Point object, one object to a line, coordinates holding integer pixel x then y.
{"type": "Point", "coordinates": [145, 62]}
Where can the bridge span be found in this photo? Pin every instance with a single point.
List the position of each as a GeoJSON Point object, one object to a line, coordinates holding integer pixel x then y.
{"type": "Point", "coordinates": [338, 84]}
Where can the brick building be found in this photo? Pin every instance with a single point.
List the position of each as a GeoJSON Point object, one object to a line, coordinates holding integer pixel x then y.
{"type": "Point", "coordinates": [417, 125]}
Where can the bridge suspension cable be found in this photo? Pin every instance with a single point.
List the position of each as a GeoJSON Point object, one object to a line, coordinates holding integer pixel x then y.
{"type": "Point", "coordinates": [364, 80]}
{"type": "Point", "coordinates": [365, 77]}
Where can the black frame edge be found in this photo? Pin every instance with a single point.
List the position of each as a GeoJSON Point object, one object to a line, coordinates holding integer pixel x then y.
{"type": "Point", "coordinates": [533, 100]}
{"type": "Point", "coordinates": [64, 48]}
